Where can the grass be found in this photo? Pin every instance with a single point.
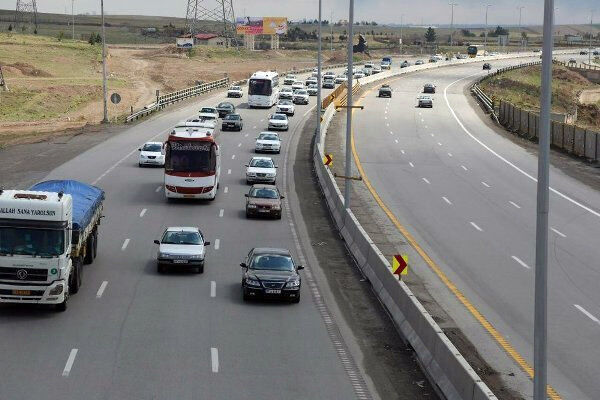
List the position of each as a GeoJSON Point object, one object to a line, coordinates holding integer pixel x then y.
{"type": "Point", "coordinates": [522, 87]}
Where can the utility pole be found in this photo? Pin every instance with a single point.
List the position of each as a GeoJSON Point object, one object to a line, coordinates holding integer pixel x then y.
{"type": "Point", "coordinates": [452, 22]}
{"type": "Point", "coordinates": [540, 340]}
{"type": "Point", "coordinates": [486, 29]}
{"type": "Point", "coordinates": [319, 106]}
{"type": "Point", "coordinates": [73, 17]}
{"type": "Point", "coordinates": [104, 90]}
{"type": "Point", "coordinates": [348, 169]}
{"type": "Point", "coordinates": [521, 38]}
{"type": "Point", "coordinates": [331, 26]}
{"type": "Point", "coordinates": [591, 34]}
{"type": "Point", "coordinates": [401, 39]}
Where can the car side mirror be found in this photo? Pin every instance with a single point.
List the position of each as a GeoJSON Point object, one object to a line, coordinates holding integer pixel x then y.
{"type": "Point", "coordinates": [246, 195]}
{"type": "Point", "coordinates": [207, 243]}
{"type": "Point", "coordinates": [282, 197]}
{"type": "Point", "coordinates": [299, 267]}
{"type": "Point", "coordinates": [139, 149]}
{"type": "Point", "coordinates": [156, 241]}
{"type": "Point", "coordinates": [243, 265]}
{"type": "Point", "coordinates": [245, 165]}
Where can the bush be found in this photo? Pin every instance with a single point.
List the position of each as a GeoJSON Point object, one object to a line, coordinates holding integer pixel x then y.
{"type": "Point", "coordinates": [60, 36]}
{"type": "Point", "coordinates": [10, 28]}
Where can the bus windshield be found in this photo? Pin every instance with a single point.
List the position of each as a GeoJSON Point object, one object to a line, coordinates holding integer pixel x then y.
{"type": "Point", "coordinates": [32, 242]}
{"type": "Point", "coordinates": [191, 156]}
{"type": "Point", "coordinates": [472, 50]}
{"type": "Point", "coordinates": [261, 87]}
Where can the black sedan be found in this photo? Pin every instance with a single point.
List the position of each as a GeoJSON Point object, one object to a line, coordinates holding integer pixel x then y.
{"type": "Point", "coordinates": [232, 122]}
{"type": "Point", "coordinates": [487, 66]}
{"type": "Point", "coordinates": [429, 88]}
{"type": "Point", "coordinates": [271, 273]}
{"type": "Point", "coordinates": [385, 91]}
{"type": "Point", "coordinates": [225, 108]}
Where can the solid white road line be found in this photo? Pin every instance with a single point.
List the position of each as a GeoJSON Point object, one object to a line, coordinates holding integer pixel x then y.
{"type": "Point", "coordinates": [214, 359]}
{"type": "Point", "coordinates": [70, 362]}
{"type": "Point", "coordinates": [485, 184]}
{"type": "Point", "coordinates": [221, 212]}
{"type": "Point", "coordinates": [564, 196]}
{"type": "Point", "coordinates": [463, 167]}
{"type": "Point", "coordinates": [476, 227]}
{"type": "Point", "coordinates": [217, 244]}
{"type": "Point", "coordinates": [125, 243]}
{"type": "Point", "coordinates": [101, 289]}
{"type": "Point", "coordinates": [587, 313]}
{"type": "Point", "coordinates": [226, 189]}
{"type": "Point", "coordinates": [517, 259]}
{"type": "Point", "coordinates": [158, 189]}
{"type": "Point", "coordinates": [559, 233]}
{"type": "Point", "coordinates": [411, 164]}
{"type": "Point", "coordinates": [143, 212]}
{"type": "Point", "coordinates": [514, 204]}
{"type": "Point", "coordinates": [426, 181]}
{"type": "Point", "coordinates": [449, 154]}
{"type": "Point", "coordinates": [213, 289]}
{"type": "Point", "coordinates": [228, 172]}
{"type": "Point", "coordinates": [233, 157]}
{"type": "Point", "coordinates": [446, 200]}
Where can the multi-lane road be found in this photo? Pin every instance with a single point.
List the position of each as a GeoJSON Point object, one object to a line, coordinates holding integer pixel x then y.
{"type": "Point", "coordinates": [468, 195]}
{"type": "Point", "coordinates": [131, 333]}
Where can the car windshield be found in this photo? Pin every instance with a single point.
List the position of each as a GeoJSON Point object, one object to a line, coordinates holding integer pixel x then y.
{"type": "Point", "coordinates": [232, 117]}
{"type": "Point", "coordinates": [235, 88]}
{"type": "Point", "coordinates": [182, 237]}
{"type": "Point", "coordinates": [284, 103]}
{"type": "Point", "coordinates": [32, 242]}
{"type": "Point", "coordinates": [225, 105]}
{"type": "Point", "coordinates": [300, 92]}
{"type": "Point", "coordinates": [262, 163]}
{"type": "Point", "coordinates": [272, 262]}
{"type": "Point", "coordinates": [267, 136]}
{"type": "Point", "coordinates": [207, 110]}
{"type": "Point", "coordinates": [153, 147]}
{"type": "Point", "coordinates": [286, 90]}
{"type": "Point", "coordinates": [279, 116]}
{"type": "Point", "coordinates": [190, 156]}
{"type": "Point", "coordinates": [264, 193]}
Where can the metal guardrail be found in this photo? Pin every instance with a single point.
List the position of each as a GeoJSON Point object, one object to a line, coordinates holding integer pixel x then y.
{"type": "Point", "coordinates": [170, 98]}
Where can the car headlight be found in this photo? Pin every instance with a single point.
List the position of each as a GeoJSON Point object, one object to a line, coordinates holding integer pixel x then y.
{"type": "Point", "coordinates": [58, 289]}
{"type": "Point", "coordinates": [276, 207]}
{"type": "Point", "coordinates": [251, 205]}
{"type": "Point", "coordinates": [252, 282]}
{"type": "Point", "coordinates": [250, 174]}
{"type": "Point", "coordinates": [197, 257]}
{"type": "Point", "coordinates": [164, 255]}
{"type": "Point", "coordinates": [293, 284]}
{"type": "Point", "coordinates": [271, 175]}
{"type": "Point", "coordinates": [142, 156]}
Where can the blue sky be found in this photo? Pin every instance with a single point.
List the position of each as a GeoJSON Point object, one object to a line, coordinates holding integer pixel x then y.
{"type": "Point", "coordinates": [386, 11]}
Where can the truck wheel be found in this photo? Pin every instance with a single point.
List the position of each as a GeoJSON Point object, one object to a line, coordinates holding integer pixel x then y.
{"type": "Point", "coordinates": [89, 250]}
{"type": "Point", "coordinates": [62, 307]}
{"type": "Point", "coordinates": [75, 277]}
{"type": "Point", "coordinates": [95, 242]}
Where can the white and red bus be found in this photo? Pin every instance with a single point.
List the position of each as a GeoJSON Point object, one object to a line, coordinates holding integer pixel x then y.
{"type": "Point", "coordinates": [263, 89]}
{"type": "Point", "coordinates": [192, 164]}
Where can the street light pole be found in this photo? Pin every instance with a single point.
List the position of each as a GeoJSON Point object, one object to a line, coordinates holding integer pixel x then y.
{"type": "Point", "coordinates": [73, 17]}
{"type": "Point", "coordinates": [401, 39]}
{"type": "Point", "coordinates": [540, 339]}
{"type": "Point", "coordinates": [591, 30]}
{"type": "Point", "coordinates": [104, 90]}
{"type": "Point", "coordinates": [520, 8]}
{"type": "Point", "coordinates": [319, 100]}
{"type": "Point", "coordinates": [486, 29]}
{"type": "Point", "coordinates": [348, 169]}
{"type": "Point", "coordinates": [331, 26]}
{"type": "Point", "coordinates": [452, 22]}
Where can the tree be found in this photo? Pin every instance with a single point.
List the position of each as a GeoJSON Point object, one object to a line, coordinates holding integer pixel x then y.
{"type": "Point", "coordinates": [499, 31]}
{"type": "Point", "coordinates": [430, 35]}
{"type": "Point", "coordinates": [98, 38]}
{"type": "Point", "coordinates": [467, 33]}
{"type": "Point", "coordinates": [342, 38]}
{"type": "Point", "coordinates": [60, 36]}
{"type": "Point", "coordinates": [10, 28]}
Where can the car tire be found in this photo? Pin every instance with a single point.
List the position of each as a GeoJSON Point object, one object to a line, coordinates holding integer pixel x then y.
{"type": "Point", "coordinates": [278, 216]}
{"type": "Point", "coordinates": [248, 216]}
{"type": "Point", "coordinates": [200, 269]}
{"type": "Point", "coordinates": [245, 297]}
{"type": "Point", "coordinates": [296, 300]}
{"type": "Point", "coordinates": [160, 268]}
{"type": "Point", "coordinates": [89, 250]}
{"type": "Point", "coordinates": [75, 276]}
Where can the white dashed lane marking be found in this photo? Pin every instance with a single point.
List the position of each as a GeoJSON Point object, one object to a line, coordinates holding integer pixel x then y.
{"type": "Point", "coordinates": [521, 262]}
{"type": "Point", "coordinates": [158, 189]}
{"type": "Point", "coordinates": [217, 244]}
{"type": "Point", "coordinates": [228, 172]}
{"type": "Point", "coordinates": [514, 204]}
{"type": "Point", "coordinates": [214, 359]}
{"type": "Point", "coordinates": [213, 289]}
{"type": "Point", "coordinates": [411, 164]}
{"type": "Point", "coordinates": [233, 157]}
{"type": "Point", "coordinates": [125, 243]}
{"type": "Point", "coordinates": [426, 181]}
{"type": "Point", "coordinates": [449, 154]}
{"type": "Point", "coordinates": [221, 212]}
{"type": "Point", "coordinates": [476, 226]}
{"type": "Point", "coordinates": [485, 184]}
{"type": "Point", "coordinates": [559, 233]}
{"type": "Point", "coordinates": [587, 313]}
{"type": "Point", "coordinates": [446, 200]}
{"type": "Point", "coordinates": [70, 361]}
{"type": "Point", "coordinates": [226, 189]}
{"type": "Point", "coordinates": [463, 167]}
{"type": "Point", "coordinates": [143, 212]}
{"type": "Point", "coordinates": [101, 289]}
{"type": "Point", "coordinates": [401, 151]}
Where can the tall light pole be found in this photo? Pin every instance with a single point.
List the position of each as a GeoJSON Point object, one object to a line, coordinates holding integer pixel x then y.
{"type": "Point", "coordinates": [591, 30]}
{"type": "Point", "coordinates": [401, 39]}
{"type": "Point", "coordinates": [331, 26]}
{"type": "Point", "coordinates": [452, 22]}
{"type": "Point", "coordinates": [348, 169]}
{"type": "Point", "coordinates": [319, 106]}
{"type": "Point", "coordinates": [73, 17]}
{"type": "Point", "coordinates": [104, 90]}
{"type": "Point", "coordinates": [486, 29]}
{"type": "Point", "coordinates": [520, 8]}
{"type": "Point", "coordinates": [540, 339]}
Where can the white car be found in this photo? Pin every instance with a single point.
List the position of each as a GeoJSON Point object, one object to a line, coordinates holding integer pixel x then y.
{"type": "Point", "coordinates": [297, 85]}
{"type": "Point", "coordinates": [312, 90]}
{"type": "Point", "coordinates": [329, 73]}
{"type": "Point", "coordinates": [286, 93]}
{"type": "Point", "coordinates": [359, 75]}
{"type": "Point", "coordinates": [286, 107]}
{"type": "Point", "coordinates": [315, 73]}
{"type": "Point", "coordinates": [376, 69]}
{"type": "Point", "coordinates": [301, 97]}
{"type": "Point", "coordinates": [261, 170]}
{"type": "Point", "coordinates": [289, 79]}
{"type": "Point", "coordinates": [278, 122]}
{"type": "Point", "coordinates": [181, 246]}
{"type": "Point", "coordinates": [151, 154]}
{"type": "Point", "coordinates": [311, 81]}
{"type": "Point", "coordinates": [235, 91]}
{"type": "Point", "coordinates": [209, 113]}
{"type": "Point", "coordinates": [267, 142]}
{"type": "Point", "coordinates": [328, 83]}
{"type": "Point", "coordinates": [341, 78]}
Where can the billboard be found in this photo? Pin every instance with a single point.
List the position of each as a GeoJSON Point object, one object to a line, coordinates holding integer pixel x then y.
{"type": "Point", "coordinates": [249, 25]}
{"type": "Point", "coordinates": [275, 25]}
{"type": "Point", "coordinates": [185, 42]}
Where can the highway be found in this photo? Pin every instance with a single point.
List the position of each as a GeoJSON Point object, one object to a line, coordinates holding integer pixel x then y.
{"type": "Point", "coordinates": [131, 333]}
{"type": "Point", "coordinates": [468, 196]}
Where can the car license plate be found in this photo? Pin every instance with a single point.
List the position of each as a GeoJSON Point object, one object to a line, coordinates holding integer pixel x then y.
{"type": "Point", "coordinates": [264, 211]}
{"type": "Point", "coordinates": [273, 291]}
{"type": "Point", "coordinates": [22, 292]}
{"type": "Point", "coordinates": [188, 196]}
{"type": "Point", "coordinates": [180, 261]}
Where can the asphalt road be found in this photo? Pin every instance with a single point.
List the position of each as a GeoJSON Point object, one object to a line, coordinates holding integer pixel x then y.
{"type": "Point", "coordinates": [468, 195]}
{"type": "Point", "coordinates": [133, 334]}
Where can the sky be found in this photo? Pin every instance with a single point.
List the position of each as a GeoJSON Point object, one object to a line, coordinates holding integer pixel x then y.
{"type": "Point", "coordinates": [428, 12]}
